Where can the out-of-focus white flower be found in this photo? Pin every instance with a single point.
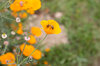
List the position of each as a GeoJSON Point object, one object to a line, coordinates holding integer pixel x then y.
{"type": "Point", "coordinates": [18, 19]}
{"type": "Point", "coordinates": [4, 35]}
{"type": "Point", "coordinates": [13, 33]}
{"type": "Point", "coordinates": [27, 38]}
{"type": "Point", "coordinates": [58, 14]}
{"type": "Point", "coordinates": [6, 43]}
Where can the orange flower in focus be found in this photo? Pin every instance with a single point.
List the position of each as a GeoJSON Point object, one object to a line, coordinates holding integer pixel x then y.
{"type": "Point", "coordinates": [20, 31]}
{"type": "Point", "coordinates": [23, 15]}
{"type": "Point", "coordinates": [47, 49]}
{"type": "Point", "coordinates": [7, 58]}
{"type": "Point", "coordinates": [45, 62]}
{"type": "Point", "coordinates": [37, 54]}
{"type": "Point", "coordinates": [36, 31]}
{"type": "Point", "coordinates": [51, 27]}
{"type": "Point", "coordinates": [32, 40]}
{"type": "Point", "coordinates": [28, 49]}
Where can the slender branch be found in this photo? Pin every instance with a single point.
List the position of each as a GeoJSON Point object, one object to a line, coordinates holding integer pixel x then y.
{"type": "Point", "coordinates": [17, 56]}
{"type": "Point", "coordinates": [22, 53]}
{"type": "Point", "coordinates": [5, 49]}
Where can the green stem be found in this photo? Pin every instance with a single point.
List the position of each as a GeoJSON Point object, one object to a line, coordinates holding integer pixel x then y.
{"type": "Point", "coordinates": [17, 59]}
{"type": "Point", "coordinates": [17, 55]}
{"type": "Point", "coordinates": [42, 39]}
{"type": "Point", "coordinates": [33, 50]}
{"type": "Point", "coordinates": [5, 49]}
{"type": "Point", "coordinates": [28, 56]}
{"type": "Point", "coordinates": [22, 53]}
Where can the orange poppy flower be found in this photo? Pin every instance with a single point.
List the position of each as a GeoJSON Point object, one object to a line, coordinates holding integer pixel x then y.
{"type": "Point", "coordinates": [20, 5]}
{"type": "Point", "coordinates": [51, 27]}
{"type": "Point", "coordinates": [28, 49]}
{"type": "Point", "coordinates": [36, 31]}
{"type": "Point", "coordinates": [30, 11]}
{"type": "Point", "coordinates": [20, 25]}
{"type": "Point", "coordinates": [32, 39]}
{"type": "Point", "coordinates": [7, 58]}
{"type": "Point", "coordinates": [20, 31]}
{"type": "Point", "coordinates": [47, 49]}
{"type": "Point", "coordinates": [45, 62]}
{"type": "Point", "coordinates": [37, 54]}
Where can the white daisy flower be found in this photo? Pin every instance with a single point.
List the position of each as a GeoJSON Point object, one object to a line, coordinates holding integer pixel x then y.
{"type": "Point", "coordinates": [27, 38]}
{"type": "Point", "coordinates": [18, 20]}
{"type": "Point", "coordinates": [4, 35]}
{"type": "Point", "coordinates": [13, 33]}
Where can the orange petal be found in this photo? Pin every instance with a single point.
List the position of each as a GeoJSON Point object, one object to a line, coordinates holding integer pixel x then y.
{"type": "Point", "coordinates": [36, 31]}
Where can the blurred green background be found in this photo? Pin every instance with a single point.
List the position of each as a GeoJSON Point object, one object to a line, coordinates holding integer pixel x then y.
{"type": "Point", "coordinates": [81, 20]}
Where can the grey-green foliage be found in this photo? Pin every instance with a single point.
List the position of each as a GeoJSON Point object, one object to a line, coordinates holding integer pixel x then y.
{"type": "Point", "coordinates": [6, 19]}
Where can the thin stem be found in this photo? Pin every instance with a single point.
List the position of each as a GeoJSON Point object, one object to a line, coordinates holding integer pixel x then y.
{"type": "Point", "coordinates": [17, 55]}
{"type": "Point", "coordinates": [5, 49]}
{"type": "Point", "coordinates": [42, 40]}
{"type": "Point", "coordinates": [33, 50]}
{"type": "Point", "coordinates": [17, 59]}
{"type": "Point", "coordinates": [22, 53]}
{"type": "Point", "coordinates": [28, 56]}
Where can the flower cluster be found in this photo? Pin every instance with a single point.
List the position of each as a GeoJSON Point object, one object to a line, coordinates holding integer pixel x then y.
{"type": "Point", "coordinates": [50, 27]}
{"type": "Point", "coordinates": [30, 6]}
{"type": "Point", "coordinates": [25, 44]}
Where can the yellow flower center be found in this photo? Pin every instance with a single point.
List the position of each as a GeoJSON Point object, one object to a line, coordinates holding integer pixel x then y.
{"type": "Point", "coordinates": [4, 34]}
